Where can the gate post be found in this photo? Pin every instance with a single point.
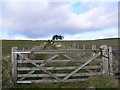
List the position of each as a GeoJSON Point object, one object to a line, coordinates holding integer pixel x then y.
{"type": "Point", "coordinates": [104, 59]}
{"type": "Point", "coordinates": [110, 61]}
{"type": "Point", "coordinates": [14, 64]}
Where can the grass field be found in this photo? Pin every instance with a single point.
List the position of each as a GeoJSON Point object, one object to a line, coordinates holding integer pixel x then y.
{"type": "Point", "coordinates": [98, 82]}
{"type": "Point", "coordinates": [28, 44]}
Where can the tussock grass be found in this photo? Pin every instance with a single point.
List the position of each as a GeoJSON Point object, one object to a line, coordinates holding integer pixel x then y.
{"type": "Point", "coordinates": [7, 73]}
{"type": "Point", "coordinates": [102, 82]}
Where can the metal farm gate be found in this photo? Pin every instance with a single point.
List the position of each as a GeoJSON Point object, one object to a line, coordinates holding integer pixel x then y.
{"type": "Point", "coordinates": [53, 69]}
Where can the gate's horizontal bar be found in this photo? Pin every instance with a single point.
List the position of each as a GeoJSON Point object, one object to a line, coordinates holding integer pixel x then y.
{"type": "Point", "coordinates": [56, 68]}
{"type": "Point", "coordinates": [54, 61]}
{"type": "Point", "coordinates": [24, 52]}
{"type": "Point", "coordinates": [24, 81]}
{"type": "Point", "coordinates": [55, 51]}
{"type": "Point", "coordinates": [51, 81]}
{"type": "Point", "coordinates": [60, 75]}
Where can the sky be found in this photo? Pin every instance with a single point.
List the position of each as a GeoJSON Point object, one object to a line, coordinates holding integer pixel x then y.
{"type": "Point", "coordinates": [73, 19]}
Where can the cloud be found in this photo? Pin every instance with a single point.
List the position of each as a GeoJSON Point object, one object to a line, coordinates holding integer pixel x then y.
{"type": "Point", "coordinates": [44, 19]}
{"type": "Point", "coordinates": [105, 33]}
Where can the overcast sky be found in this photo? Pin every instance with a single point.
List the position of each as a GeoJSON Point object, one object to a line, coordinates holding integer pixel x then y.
{"type": "Point", "coordinates": [75, 20]}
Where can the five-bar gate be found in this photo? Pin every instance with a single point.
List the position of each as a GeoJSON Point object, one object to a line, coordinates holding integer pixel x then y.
{"type": "Point", "coordinates": [60, 65]}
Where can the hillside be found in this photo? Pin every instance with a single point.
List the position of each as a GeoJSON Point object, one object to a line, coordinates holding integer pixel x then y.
{"type": "Point", "coordinates": [28, 44]}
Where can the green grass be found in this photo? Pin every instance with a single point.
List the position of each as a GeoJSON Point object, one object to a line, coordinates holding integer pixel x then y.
{"type": "Point", "coordinates": [103, 82]}
{"type": "Point", "coordinates": [28, 44]}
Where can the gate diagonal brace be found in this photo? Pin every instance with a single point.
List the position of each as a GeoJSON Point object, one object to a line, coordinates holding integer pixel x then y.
{"type": "Point", "coordinates": [41, 66]}
{"type": "Point", "coordinates": [68, 57]}
{"type": "Point", "coordinates": [80, 67]}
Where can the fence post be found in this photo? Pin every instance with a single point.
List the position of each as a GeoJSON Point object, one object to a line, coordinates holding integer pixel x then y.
{"type": "Point", "coordinates": [93, 48]}
{"type": "Point", "coordinates": [110, 61]}
{"type": "Point", "coordinates": [74, 46]}
{"type": "Point", "coordinates": [104, 59]}
{"type": "Point", "coordinates": [70, 46]}
{"type": "Point", "coordinates": [14, 64]}
{"type": "Point", "coordinates": [83, 47]}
